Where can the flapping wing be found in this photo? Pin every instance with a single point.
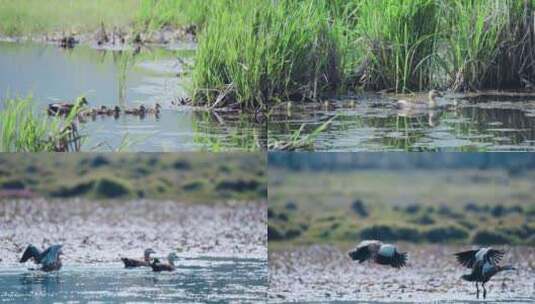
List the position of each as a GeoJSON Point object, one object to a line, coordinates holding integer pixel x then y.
{"type": "Point", "coordinates": [361, 253]}
{"type": "Point", "coordinates": [30, 252]}
{"type": "Point", "coordinates": [467, 258]}
{"type": "Point", "coordinates": [389, 255]}
{"type": "Point", "coordinates": [50, 256]}
{"type": "Point", "coordinates": [494, 256]}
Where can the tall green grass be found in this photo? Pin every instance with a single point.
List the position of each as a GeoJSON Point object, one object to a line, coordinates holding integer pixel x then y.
{"type": "Point", "coordinates": [154, 14]}
{"type": "Point", "coordinates": [255, 52]}
{"type": "Point", "coordinates": [21, 130]}
{"type": "Point", "coordinates": [26, 17]}
{"type": "Point", "coordinates": [488, 44]}
{"type": "Point", "coordinates": [397, 40]}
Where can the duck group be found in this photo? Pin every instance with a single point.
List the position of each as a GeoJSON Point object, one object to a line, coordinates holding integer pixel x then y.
{"type": "Point", "coordinates": [82, 109]}
{"type": "Point", "coordinates": [50, 259]}
{"type": "Point", "coordinates": [483, 262]}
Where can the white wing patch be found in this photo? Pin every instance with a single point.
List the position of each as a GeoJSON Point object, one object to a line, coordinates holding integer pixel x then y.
{"type": "Point", "coordinates": [387, 251]}
{"type": "Point", "coordinates": [481, 253]}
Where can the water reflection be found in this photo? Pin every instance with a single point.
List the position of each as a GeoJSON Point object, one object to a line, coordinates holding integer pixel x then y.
{"type": "Point", "coordinates": [209, 280]}
{"type": "Point", "coordinates": [126, 79]}
{"type": "Point", "coordinates": [373, 124]}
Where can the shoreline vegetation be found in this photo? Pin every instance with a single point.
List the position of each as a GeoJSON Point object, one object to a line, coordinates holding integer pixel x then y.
{"type": "Point", "coordinates": [187, 178]}
{"type": "Point", "coordinates": [474, 207]}
{"type": "Point", "coordinates": [253, 54]}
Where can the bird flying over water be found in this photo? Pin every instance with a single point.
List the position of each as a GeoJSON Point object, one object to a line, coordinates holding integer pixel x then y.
{"type": "Point", "coordinates": [380, 253]}
{"type": "Point", "coordinates": [48, 259]}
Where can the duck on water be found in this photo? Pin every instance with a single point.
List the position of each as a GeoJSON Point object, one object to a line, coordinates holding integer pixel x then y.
{"type": "Point", "coordinates": [157, 266]}
{"type": "Point", "coordinates": [48, 259]}
{"type": "Point", "coordinates": [430, 103]}
{"type": "Point", "coordinates": [145, 262]}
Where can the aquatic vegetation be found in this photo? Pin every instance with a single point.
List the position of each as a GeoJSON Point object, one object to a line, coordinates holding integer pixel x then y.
{"type": "Point", "coordinates": [256, 52]}
{"type": "Point", "coordinates": [21, 130]}
{"type": "Point", "coordinates": [397, 42]}
{"type": "Point", "coordinates": [488, 44]}
{"type": "Point", "coordinates": [298, 140]}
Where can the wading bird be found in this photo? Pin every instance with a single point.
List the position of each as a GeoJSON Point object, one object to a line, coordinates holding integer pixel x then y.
{"type": "Point", "coordinates": [145, 262]}
{"type": "Point", "coordinates": [157, 266]}
{"type": "Point", "coordinates": [470, 257]}
{"type": "Point", "coordinates": [384, 254]}
{"type": "Point", "coordinates": [48, 259]}
{"type": "Point", "coordinates": [482, 272]}
{"type": "Point", "coordinates": [431, 103]}
{"type": "Point", "coordinates": [64, 108]}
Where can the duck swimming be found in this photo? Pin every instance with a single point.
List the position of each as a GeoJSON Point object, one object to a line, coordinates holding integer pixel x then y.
{"type": "Point", "coordinates": [155, 110]}
{"type": "Point", "coordinates": [64, 108]}
{"type": "Point", "coordinates": [429, 104]}
{"type": "Point", "coordinates": [48, 259]}
{"type": "Point", "coordinates": [133, 263]}
{"type": "Point", "coordinates": [158, 267]}
{"type": "Point", "coordinates": [380, 253]}
{"type": "Point", "coordinates": [140, 111]}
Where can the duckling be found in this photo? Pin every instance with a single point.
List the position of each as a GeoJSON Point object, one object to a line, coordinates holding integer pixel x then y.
{"type": "Point", "coordinates": [430, 104]}
{"type": "Point", "coordinates": [49, 259]}
{"type": "Point", "coordinates": [132, 263]}
{"type": "Point", "coordinates": [155, 110]}
{"type": "Point", "coordinates": [64, 108]}
{"type": "Point", "coordinates": [157, 266]}
{"type": "Point", "coordinates": [136, 111]}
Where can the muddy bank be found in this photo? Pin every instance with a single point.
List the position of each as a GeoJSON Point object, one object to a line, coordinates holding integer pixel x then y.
{"type": "Point", "coordinates": [97, 232]}
{"type": "Point", "coordinates": [115, 38]}
{"type": "Point", "coordinates": [325, 273]}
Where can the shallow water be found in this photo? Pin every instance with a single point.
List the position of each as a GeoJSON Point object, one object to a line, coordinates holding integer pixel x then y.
{"type": "Point", "coordinates": [52, 74]}
{"type": "Point", "coordinates": [207, 280]}
{"type": "Point", "coordinates": [371, 123]}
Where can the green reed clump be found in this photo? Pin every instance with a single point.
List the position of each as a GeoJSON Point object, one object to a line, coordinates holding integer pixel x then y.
{"type": "Point", "coordinates": [255, 52]}
{"type": "Point", "coordinates": [155, 14]}
{"type": "Point", "coordinates": [489, 44]}
{"type": "Point", "coordinates": [396, 41]}
{"type": "Point", "coordinates": [21, 130]}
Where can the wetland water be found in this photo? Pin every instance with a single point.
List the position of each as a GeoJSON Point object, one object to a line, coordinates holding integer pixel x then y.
{"type": "Point", "coordinates": [201, 279]}
{"type": "Point", "coordinates": [106, 77]}
{"type": "Point", "coordinates": [371, 123]}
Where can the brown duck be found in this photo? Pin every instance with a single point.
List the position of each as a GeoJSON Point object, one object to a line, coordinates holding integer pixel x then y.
{"type": "Point", "coordinates": [133, 263]}
{"type": "Point", "coordinates": [158, 267]}
{"type": "Point", "coordinates": [140, 111]}
{"type": "Point", "coordinates": [64, 108]}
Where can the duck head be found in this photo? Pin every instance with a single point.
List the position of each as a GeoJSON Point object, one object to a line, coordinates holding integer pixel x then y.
{"type": "Point", "coordinates": [148, 252]}
{"type": "Point", "coordinates": [82, 101]}
{"type": "Point", "coordinates": [432, 95]}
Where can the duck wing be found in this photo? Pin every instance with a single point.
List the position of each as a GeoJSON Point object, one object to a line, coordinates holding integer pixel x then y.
{"type": "Point", "coordinates": [30, 252]}
{"type": "Point", "coordinates": [389, 255]}
{"type": "Point", "coordinates": [50, 257]}
{"type": "Point", "coordinates": [361, 253]}
{"type": "Point", "coordinates": [468, 258]}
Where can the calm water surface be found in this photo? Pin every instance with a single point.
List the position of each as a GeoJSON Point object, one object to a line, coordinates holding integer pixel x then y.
{"type": "Point", "coordinates": [199, 280]}
{"type": "Point", "coordinates": [120, 78]}
{"type": "Point", "coordinates": [371, 123]}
